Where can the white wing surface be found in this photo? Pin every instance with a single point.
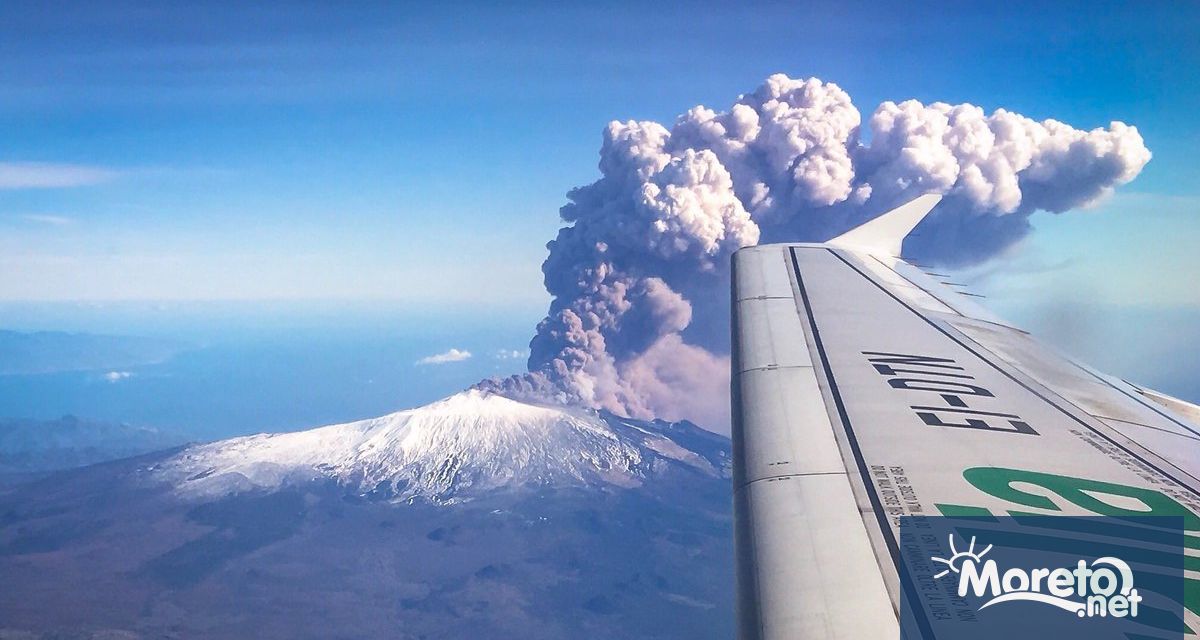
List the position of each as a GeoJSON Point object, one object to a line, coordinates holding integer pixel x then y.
{"type": "Point", "coordinates": [865, 389]}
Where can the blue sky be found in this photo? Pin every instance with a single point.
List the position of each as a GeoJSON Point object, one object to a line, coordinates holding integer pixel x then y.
{"type": "Point", "coordinates": [199, 151]}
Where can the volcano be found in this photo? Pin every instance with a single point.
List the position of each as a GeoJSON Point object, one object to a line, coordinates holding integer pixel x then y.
{"type": "Point", "coordinates": [474, 516]}
{"type": "Point", "coordinates": [456, 449]}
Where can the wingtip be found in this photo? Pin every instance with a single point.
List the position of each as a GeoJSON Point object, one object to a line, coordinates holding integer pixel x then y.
{"type": "Point", "coordinates": [886, 232]}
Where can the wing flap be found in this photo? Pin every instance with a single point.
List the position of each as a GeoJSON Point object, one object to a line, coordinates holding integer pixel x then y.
{"type": "Point", "coordinates": [1186, 410]}
{"type": "Point", "coordinates": [1099, 396]}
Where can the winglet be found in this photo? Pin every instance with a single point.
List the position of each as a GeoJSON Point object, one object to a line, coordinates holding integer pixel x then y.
{"type": "Point", "coordinates": [885, 233]}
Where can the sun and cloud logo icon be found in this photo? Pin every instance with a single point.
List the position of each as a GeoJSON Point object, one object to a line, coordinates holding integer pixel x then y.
{"type": "Point", "coordinates": [957, 558]}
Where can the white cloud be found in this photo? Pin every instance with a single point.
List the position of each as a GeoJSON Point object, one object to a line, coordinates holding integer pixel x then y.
{"type": "Point", "coordinates": [47, 175]}
{"type": "Point", "coordinates": [117, 376]}
{"type": "Point", "coordinates": [453, 355]}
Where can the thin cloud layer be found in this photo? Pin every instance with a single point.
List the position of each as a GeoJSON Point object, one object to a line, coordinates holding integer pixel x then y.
{"type": "Point", "coordinates": [638, 322]}
{"type": "Point", "coordinates": [43, 218]}
{"type": "Point", "coordinates": [44, 175]}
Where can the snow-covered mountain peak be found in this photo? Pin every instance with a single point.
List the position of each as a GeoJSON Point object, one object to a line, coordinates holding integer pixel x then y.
{"type": "Point", "coordinates": [451, 450]}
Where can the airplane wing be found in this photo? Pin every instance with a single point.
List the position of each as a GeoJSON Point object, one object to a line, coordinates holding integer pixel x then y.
{"type": "Point", "coordinates": [865, 389]}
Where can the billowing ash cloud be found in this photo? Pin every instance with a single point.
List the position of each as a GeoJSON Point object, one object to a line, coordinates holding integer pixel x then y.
{"type": "Point", "coordinates": [639, 276]}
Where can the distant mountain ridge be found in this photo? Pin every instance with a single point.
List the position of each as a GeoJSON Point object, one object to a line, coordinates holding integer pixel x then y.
{"type": "Point", "coordinates": [57, 351]}
{"type": "Point", "coordinates": [28, 445]}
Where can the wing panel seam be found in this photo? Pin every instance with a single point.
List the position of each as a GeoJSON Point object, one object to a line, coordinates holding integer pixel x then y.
{"type": "Point", "coordinates": [784, 476]}
{"type": "Point", "coordinates": [777, 367]}
{"type": "Point", "coordinates": [1147, 426]}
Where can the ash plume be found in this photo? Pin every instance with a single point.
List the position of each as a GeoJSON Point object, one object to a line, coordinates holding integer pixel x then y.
{"type": "Point", "coordinates": [639, 276]}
